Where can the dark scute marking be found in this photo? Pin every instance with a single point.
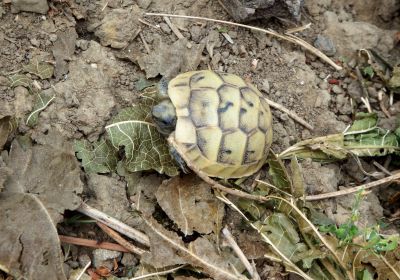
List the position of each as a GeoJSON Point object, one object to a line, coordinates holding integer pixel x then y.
{"type": "Point", "coordinates": [225, 108]}
{"type": "Point", "coordinates": [227, 151]}
{"type": "Point", "coordinates": [261, 113]}
{"type": "Point", "coordinates": [181, 85]}
{"type": "Point", "coordinates": [250, 104]}
{"type": "Point", "coordinates": [243, 110]}
{"type": "Point", "coordinates": [201, 142]}
{"type": "Point", "coordinates": [198, 78]}
{"type": "Point", "coordinates": [205, 104]}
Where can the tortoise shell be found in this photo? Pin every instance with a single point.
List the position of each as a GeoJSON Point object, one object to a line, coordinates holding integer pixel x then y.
{"type": "Point", "coordinates": [223, 124]}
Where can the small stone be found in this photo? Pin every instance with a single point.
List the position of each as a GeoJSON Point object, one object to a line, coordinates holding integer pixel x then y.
{"type": "Point", "coordinates": [83, 260]}
{"type": "Point", "coordinates": [323, 85]}
{"type": "Point", "coordinates": [284, 117]}
{"type": "Point", "coordinates": [53, 37]}
{"type": "Point", "coordinates": [101, 256]}
{"type": "Point", "coordinates": [129, 260]}
{"type": "Point", "coordinates": [265, 86]}
{"type": "Point", "coordinates": [343, 104]}
{"type": "Point", "coordinates": [337, 89]}
{"type": "Point", "coordinates": [4, 81]}
{"type": "Point", "coordinates": [225, 54]}
{"type": "Point", "coordinates": [323, 99]}
{"type": "Point", "coordinates": [352, 63]}
{"type": "Point", "coordinates": [73, 264]}
{"type": "Point", "coordinates": [325, 44]}
{"type": "Point", "coordinates": [35, 42]}
{"type": "Point", "coordinates": [164, 27]}
{"type": "Point", "coordinates": [354, 90]}
{"type": "Point", "coordinates": [373, 92]}
{"type": "Point", "coordinates": [35, 6]}
{"type": "Point", "coordinates": [195, 33]}
{"type": "Point", "coordinates": [144, 4]}
{"type": "Point", "coordinates": [82, 44]}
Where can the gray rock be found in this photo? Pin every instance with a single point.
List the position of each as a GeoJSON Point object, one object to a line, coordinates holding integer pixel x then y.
{"type": "Point", "coordinates": [101, 256]}
{"type": "Point", "coordinates": [35, 6]}
{"type": "Point", "coordinates": [118, 27]}
{"type": "Point", "coordinates": [354, 90]}
{"type": "Point", "coordinates": [83, 260]}
{"type": "Point", "coordinates": [196, 33]}
{"type": "Point", "coordinates": [246, 10]}
{"type": "Point", "coordinates": [144, 4]}
{"type": "Point", "coordinates": [343, 104]}
{"type": "Point", "coordinates": [325, 44]}
{"type": "Point", "coordinates": [129, 260]}
{"type": "Point", "coordinates": [265, 86]}
{"type": "Point", "coordinates": [337, 89]}
{"type": "Point", "coordinates": [323, 99]}
{"type": "Point", "coordinates": [352, 36]}
{"type": "Point", "coordinates": [165, 28]}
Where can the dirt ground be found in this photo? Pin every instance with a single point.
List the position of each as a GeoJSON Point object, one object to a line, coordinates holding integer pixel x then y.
{"type": "Point", "coordinates": [100, 56]}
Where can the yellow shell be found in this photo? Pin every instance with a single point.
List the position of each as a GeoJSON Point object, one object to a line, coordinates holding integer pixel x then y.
{"type": "Point", "coordinates": [223, 123]}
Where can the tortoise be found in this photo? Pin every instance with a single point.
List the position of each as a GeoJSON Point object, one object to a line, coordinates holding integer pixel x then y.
{"type": "Point", "coordinates": [218, 123]}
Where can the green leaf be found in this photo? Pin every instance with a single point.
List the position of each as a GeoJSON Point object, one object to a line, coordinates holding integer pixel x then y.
{"type": "Point", "coordinates": [297, 179]}
{"type": "Point", "coordinates": [363, 122]}
{"type": "Point", "coordinates": [394, 82]}
{"type": "Point", "coordinates": [145, 148]}
{"type": "Point", "coordinates": [369, 71]}
{"type": "Point", "coordinates": [98, 157]}
{"type": "Point", "coordinates": [278, 173]}
{"type": "Point", "coordinates": [283, 234]}
{"type": "Point", "coordinates": [42, 101]}
{"type": "Point", "coordinates": [43, 70]}
{"type": "Point", "coordinates": [20, 80]}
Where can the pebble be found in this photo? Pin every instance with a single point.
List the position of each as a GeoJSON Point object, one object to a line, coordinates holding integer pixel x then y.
{"type": "Point", "coordinates": [83, 260]}
{"type": "Point", "coordinates": [144, 4]}
{"type": "Point", "coordinates": [343, 104]}
{"type": "Point", "coordinates": [225, 54]}
{"type": "Point", "coordinates": [232, 34]}
{"type": "Point", "coordinates": [323, 85]}
{"type": "Point", "coordinates": [284, 117]}
{"type": "Point", "coordinates": [82, 44]}
{"type": "Point", "coordinates": [325, 45]}
{"type": "Point", "coordinates": [20, 90]}
{"type": "Point", "coordinates": [101, 256]}
{"type": "Point", "coordinates": [164, 27]}
{"type": "Point", "coordinates": [354, 90]}
{"type": "Point", "coordinates": [53, 37]}
{"type": "Point", "coordinates": [129, 260]}
{"type": "Point", "coordinates": [373, 92]}
{"type": "Point", "coordinates": [35, 42]}
{"type": "Point", "coordinates": [323, 98]}
{"type": "Point", "coordinates": [265, 86]}
{"type": "Point", "coordinates": [337, 89]}
{"type": "Point", "coordinates": [195, 33]}
{"type": "Point", "coordinates": [35, 6]}
{"type": "Point", "coordinates": [4, 81]}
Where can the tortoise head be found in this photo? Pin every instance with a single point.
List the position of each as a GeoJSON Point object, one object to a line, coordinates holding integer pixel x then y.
{"type": "Point", "coordinates": [164, 114]}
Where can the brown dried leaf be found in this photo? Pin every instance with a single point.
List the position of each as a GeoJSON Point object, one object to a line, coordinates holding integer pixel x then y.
{"type": "Point", "coordinates": [29, 244]}
{"type": "Point", "coordinates": [201, 253]}
{"type": "Point", "coordinates": [169, 60]}
{"type": "Point", "coordinates": [188, 201]}
{"type": "Point", "coordinates": [50, 171]}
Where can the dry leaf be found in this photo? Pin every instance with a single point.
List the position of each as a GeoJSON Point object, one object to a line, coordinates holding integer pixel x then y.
{"type": "Point", "coordinates": [189, 202]}
{"type": "Point", "coordinates": [50, 171]}
{"type": "Point", "coordinates": [29, 244]}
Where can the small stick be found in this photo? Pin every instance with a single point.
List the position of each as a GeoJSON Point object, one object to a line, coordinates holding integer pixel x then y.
{"type": "Point", "coordinates": [240, 254]}
{"type": "Point", "coordinates": [148, 23]}
{"type": "Point", "coordinates": [288, 37]}
{"type": "Point", "coordinates": [164, 272]}
{"type": "Point", "coordinates": [383, 169]}
{"type": "Point", "coordinates": [290, 113]}
{"type": "Point", "coordinates": [92, 243]}
{"type": "Point", "coordinates": [298, 29]}
{"type": "Point", "coordinates": [115, 224]}
{"type": "Point", "coordinates": [370, 185]}
{"type": "Point", "coordinates": [173, 28]}
{"type": "Point", "coordinates": [83, 270]}
{"type": "Point", "coordinates": [144, 42]}
{"type": "Point", "coordinates": [120, 240]}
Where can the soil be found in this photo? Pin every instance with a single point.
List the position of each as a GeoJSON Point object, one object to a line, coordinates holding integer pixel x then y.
{"type": "Point", "coordinates": [102, 54]}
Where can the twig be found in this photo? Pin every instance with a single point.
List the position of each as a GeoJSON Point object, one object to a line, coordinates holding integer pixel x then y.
{"type": "Point", "coordinates": [292, 114]}
{"type": "Point", "coordinates": [148, 23]}
{"type": "Point", "coordinates": [397, 273]}
{"type": "Point", "coordinates": [240, 254]}
{"type": "Point", "coordinates": [144, 42]}
{"type": "Point", "coordinates": [298, 29]}
{"type": "Point", "coordinates": [383, 169]}
{"type": "Point", "coordinates": [288, 37]}
{"type": "Point", "coordinates": [115, 224]}
{"type": "Point", "coordinates": [370, 185]}
{"type": "Point", "coordinates": [173, 28]}
{"type": "Point", "coordinates": [120, 240]}
{"type": "Point", "coordinates": [164, 272]}
{"type": "Point", "coordinates": [92, 243]}
{"type": "Point", "coordinates": [83, 270]}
